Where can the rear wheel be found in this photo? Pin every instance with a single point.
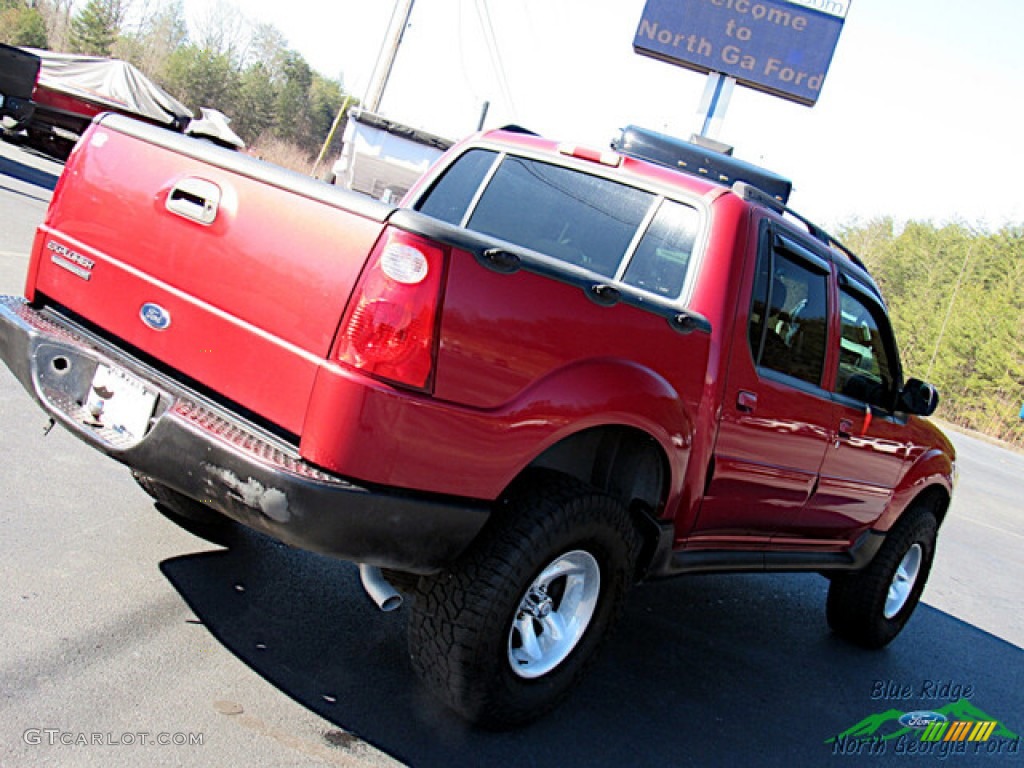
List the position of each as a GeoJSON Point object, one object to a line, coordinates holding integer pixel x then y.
{"type": "Point", "coordinates": [505, 634]}
{"type": "Point", "coordinates": [870, 607]}
{"type": "Point", "coordinates": [196, 518]}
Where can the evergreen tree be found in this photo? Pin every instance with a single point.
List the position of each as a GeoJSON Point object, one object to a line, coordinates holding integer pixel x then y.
{"type": "Point", "coordinates": [292, 103]}
{"type": "Point", "coordinates": [958, 312]}
{"type": "Point", "coordinates": [21, 24]}
{"type": "Point", "coordinates": [257, 95]}
{"type": "Point", "coordinates": [95, 28]}
{"type": "Point", "coordinates": [200, 77]}
{"type": "Point", "coordinates": [326, 98]}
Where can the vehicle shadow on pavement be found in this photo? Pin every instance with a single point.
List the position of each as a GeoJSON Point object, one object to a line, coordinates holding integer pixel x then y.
{"type": "Point", "coordinates": [723, 670]}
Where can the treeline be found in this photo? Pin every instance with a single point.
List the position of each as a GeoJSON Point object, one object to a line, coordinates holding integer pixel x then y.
{"type": "Point", "coordinates": [243, 68]}
{"type": "Point", "coordinates": [957, 301]}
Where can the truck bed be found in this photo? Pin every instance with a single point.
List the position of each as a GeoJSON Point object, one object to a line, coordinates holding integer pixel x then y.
{"type": "Point", "coordinates": [252, 265]}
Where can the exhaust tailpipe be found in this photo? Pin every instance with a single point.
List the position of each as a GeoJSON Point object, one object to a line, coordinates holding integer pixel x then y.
{"type": "Point", "coordinates": [377, 587]}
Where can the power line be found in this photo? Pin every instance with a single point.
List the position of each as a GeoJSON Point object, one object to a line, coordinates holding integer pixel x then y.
{"type": "Point", "coordinates": [495, 53]}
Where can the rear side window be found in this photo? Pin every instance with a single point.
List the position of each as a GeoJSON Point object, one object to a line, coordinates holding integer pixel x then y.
{"type": "Point", "coordinates": [607, 227]}
{"type": "Point", "coordinates": [452, 195]}
{"type": "Point", "coordinates": [573, 216]}
{"type": "Point", "coordinates": [663, 256]}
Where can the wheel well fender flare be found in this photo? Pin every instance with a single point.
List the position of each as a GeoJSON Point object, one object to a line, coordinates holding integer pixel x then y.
{"type": "Point", "coordinates": [929, 481]}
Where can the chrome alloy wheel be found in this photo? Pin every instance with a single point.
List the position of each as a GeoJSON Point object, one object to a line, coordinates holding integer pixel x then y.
{"type": "Point", "coordinates": [553, 614]}
{"type": "Point", "coordinates": [903, 581]}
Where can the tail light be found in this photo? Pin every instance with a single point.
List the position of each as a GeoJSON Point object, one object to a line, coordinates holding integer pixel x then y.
{"type": "Point", "coordinates": [389, 329]}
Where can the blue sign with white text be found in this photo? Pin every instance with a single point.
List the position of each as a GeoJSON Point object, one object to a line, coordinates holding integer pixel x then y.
{"type": "Point", "coordinates": [783, 48]}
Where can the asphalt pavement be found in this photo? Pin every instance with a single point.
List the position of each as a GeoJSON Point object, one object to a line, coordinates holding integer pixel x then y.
{"type": "Point", "coordinates": [125, 640]}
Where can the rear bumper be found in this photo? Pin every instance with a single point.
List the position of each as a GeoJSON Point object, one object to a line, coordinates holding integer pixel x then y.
{"type": "Point", "coordinates": [204, 451]}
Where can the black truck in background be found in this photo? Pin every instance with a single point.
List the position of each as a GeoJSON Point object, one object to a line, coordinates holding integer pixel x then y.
{"type": "Point", "coordinates": [19, 71]}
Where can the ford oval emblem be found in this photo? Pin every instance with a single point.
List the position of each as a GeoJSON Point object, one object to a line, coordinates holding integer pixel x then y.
{"type": "Point", "coordinates": [921, 719]}
{"type": "Point", "coordinates": [155, 316]}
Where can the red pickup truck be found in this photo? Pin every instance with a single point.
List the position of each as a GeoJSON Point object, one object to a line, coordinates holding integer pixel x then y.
{"type": "Point", "coordinates": [552, 372]}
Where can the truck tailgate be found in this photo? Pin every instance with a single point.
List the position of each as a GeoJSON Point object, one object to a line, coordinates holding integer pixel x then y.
{"type": "Point", "coordinates": [18, 72]}
{"type": "Point", "coordinates": [229, 271]}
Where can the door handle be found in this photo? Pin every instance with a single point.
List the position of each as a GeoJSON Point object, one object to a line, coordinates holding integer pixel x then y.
{"type": "Point", "coordinates": [845, 429]}
{"type": "Point", "coordinates": [194, 199]}
{"type": "Point", "coordinates": [746, 402]}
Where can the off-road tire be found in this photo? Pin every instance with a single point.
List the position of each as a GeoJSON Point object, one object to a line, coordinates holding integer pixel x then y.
{"type": "Point", "coordinates": [462, 623]}
{"type": "Point", "coordinates": [403, 581]}
{"type": "Point", "coordinates": [194, 517]}
{"type": "Point", "coordinates": [857, 603]}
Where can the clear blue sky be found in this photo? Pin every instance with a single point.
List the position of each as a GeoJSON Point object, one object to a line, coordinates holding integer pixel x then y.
{"type": "Point", "coordinates": [920, 116]}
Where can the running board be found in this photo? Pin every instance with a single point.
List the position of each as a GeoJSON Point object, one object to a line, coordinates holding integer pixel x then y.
{"type": "Point", "coordinates": [773, 561]}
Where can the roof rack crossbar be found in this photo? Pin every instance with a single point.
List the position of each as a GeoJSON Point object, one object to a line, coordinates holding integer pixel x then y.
{"type": "Point", "coordinates": [750, 192]}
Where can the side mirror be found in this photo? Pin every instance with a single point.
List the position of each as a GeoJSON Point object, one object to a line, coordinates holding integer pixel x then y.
{"type": "Point", "coordinates": [919, 398]}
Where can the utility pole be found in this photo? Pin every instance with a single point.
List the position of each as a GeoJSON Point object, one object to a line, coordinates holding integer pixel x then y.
{"type": "Point", "coordinates": [388, 53]}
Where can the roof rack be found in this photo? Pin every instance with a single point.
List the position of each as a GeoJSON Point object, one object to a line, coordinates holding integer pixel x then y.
{"type": "Point", "coordinates": [752, 193]}
{"type": "Point", "coordinates": [698, 157]}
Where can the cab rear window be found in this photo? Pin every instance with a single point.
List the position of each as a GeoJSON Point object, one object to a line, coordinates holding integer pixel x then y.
{"type": "Point", "coordinates": [613, 229]}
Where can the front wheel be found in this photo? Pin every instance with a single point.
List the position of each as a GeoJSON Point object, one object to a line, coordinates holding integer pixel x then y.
{"type": "Point", "coordinates": [507, 632]}
{"type": "Point", "coordinates": [870, 607]}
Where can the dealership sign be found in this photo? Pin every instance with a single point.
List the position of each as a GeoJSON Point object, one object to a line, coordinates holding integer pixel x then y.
{"type": "Point", "coordinates": [783, 48]}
